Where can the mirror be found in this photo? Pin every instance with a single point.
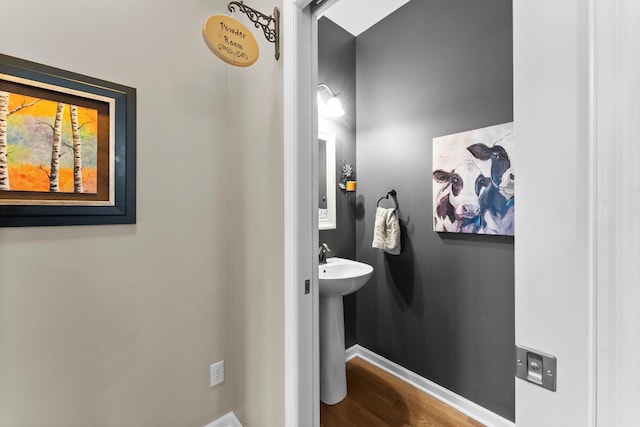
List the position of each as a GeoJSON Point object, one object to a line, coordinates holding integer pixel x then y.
{"type": "Point", "coordinates": [327, 180]}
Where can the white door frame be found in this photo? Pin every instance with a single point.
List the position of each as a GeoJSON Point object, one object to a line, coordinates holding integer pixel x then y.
{"type": "Point", "coordinates": [613, 260]}
{"type": "Point", "coordinates": [616, 194]}
{"type": "Point", "coordinates": [302, 390]}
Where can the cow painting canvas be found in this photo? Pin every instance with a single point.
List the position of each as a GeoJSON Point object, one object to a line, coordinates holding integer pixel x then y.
{"type": "Point", "coordinates": [473, 181]}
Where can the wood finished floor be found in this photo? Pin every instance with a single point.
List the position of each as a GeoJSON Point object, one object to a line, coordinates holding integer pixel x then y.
{"type": "Point", "coordinates": [378, 399]}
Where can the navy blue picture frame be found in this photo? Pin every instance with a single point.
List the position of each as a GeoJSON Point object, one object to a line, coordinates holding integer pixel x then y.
{"type": "Point", "coordinates": [123, 208]}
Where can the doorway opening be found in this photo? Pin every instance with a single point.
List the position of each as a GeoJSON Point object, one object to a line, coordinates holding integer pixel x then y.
{"type": "Point", "coordinates": [402, 278]}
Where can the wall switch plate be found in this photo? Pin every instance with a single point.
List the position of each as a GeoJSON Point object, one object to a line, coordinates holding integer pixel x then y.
{"type": "Point", "coordinates": [216, 373]}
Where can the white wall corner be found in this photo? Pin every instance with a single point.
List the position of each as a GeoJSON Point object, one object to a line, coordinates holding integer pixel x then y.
{"type": "Point", "coordinates": [449, 398]}
{"type": "Point", "coordinates": [228, 420]}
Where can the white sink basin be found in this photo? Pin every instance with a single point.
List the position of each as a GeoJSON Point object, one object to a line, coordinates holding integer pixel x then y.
{"type": "Point", "coordinates": [340, 276]}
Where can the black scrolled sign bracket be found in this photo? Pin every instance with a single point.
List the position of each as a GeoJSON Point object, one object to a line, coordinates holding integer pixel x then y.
{"type": "Point", "coordinates": [260, 20]}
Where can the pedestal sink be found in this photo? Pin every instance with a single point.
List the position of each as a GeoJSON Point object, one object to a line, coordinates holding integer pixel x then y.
{"type": "Point", "coordinates": [338, 277]}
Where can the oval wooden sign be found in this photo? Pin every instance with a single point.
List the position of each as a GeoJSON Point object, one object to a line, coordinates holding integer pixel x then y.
{"type": "Point", "coordinates": [230, 41]}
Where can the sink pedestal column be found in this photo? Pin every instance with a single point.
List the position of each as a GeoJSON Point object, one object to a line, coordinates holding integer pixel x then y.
{"type": "Point", "coordinates": [333, 377]}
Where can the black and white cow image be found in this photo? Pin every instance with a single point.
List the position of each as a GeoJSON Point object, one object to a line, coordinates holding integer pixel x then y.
{"type": "Point", "coordinates": [507, 184]}
{"type": "Point", "coordinates": [457, 207]}
{"type": "Point", "coordinates": [497, 211]}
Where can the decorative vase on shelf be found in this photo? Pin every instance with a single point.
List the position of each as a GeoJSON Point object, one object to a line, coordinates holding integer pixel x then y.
{"type": "Point", "coordinates": [347, 177]}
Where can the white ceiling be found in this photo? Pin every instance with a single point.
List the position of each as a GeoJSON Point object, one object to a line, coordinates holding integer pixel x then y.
{"type": "Point", "coordinates": [356, 16]}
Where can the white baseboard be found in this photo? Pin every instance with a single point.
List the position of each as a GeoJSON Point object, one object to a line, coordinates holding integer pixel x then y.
{"type": "Point", "coordinates": [228, 420]}
{"type": "Point", "coordinates": [448, 397]}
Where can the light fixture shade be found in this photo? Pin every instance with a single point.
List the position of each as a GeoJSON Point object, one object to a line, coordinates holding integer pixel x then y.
{"type": "Point", "coordinates": [334, 107]}
{"type": "Point", "coordinates": [321, 105]}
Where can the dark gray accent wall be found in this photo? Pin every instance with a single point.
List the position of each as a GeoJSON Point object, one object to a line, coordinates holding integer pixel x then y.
{"type": "Point", "coordinates": [337, 68]}
{"type": "Point", "coordinates": [444, 308]}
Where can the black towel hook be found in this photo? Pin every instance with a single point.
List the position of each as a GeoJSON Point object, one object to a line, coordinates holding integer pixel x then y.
{"type": "Point", "coordinates": [391, 193]}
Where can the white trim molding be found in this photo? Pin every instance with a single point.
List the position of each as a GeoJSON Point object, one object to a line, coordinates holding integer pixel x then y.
{"type": "Point", "coordinates": [227, 420]}
{"type": "Point", "coordinates": [302, 366]}
{"type": "Point", "coordinates": [615, 128]}
{"type": "Point", "coordinates": [444, 395]}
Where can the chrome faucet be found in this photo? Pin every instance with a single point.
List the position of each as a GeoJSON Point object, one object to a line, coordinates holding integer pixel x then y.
{"type": "Point", "coordinates": [322, 253]}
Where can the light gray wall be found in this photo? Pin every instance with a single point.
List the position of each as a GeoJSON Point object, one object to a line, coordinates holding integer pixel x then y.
{"type": "Point", "coordinates": [444, 308]}
{"type": "Point", "coordinates": [116, 326]}
{"type": "Point", "coordinates": [553, 114]}
{"type": "Point", "coordinates": [257, 230]}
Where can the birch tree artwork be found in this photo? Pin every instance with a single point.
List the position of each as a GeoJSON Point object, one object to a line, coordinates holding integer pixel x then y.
{"type": "Point", "coordinates": [44, 149]}
{"type": "Point", "coordinates": [4, 117]}
{"type": "Point", "coordinates": [77, 150]}
{"type": "Point", "coordinates": [67, 147]}
{"type": "Point", "coordinates": [54, 184]}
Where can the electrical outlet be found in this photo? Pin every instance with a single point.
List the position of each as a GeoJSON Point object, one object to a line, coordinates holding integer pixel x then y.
{"type": "Point", "coordinates": [216, 373]}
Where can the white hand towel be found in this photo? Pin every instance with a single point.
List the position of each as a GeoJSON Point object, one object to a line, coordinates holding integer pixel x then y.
{"type": "Point", "coordinates": [386, 231]}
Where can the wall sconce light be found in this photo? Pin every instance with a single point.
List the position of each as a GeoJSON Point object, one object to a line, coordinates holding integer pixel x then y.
{"type": "Point", "coordinates": [333, 106]}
